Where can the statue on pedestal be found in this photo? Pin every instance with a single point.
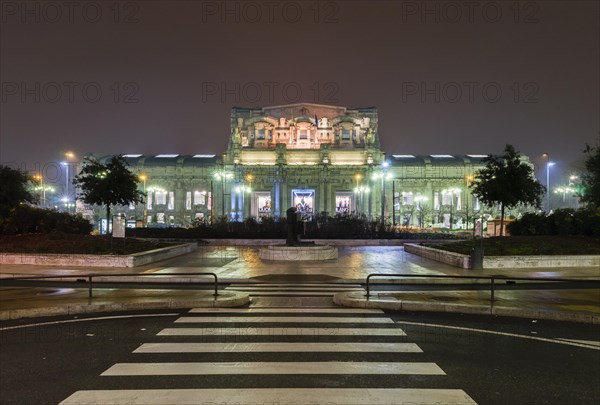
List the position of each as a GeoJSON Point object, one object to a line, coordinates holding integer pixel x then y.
{"type": "Point", "coordinates": [292, 227]}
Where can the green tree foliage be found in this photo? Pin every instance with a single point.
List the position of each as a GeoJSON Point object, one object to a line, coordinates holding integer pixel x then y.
{"type": "Point", "coordinates": [591, 177]}
{"type": "Point", "coordinates": [507, 181]}
{"type": "Point", "coordinates": [108, 184]}
{"type": "Point", "coordinates": [13, 190]}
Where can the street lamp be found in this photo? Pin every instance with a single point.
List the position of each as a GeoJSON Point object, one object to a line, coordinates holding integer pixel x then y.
{"type": "Point", "coordinates": [358, 177]}
{"type": "Point", "coordinates": [548, 165]}
{"type": "Point", "coordinates": [223, 176]}
{"type": "Point", "coordinates": [564, 190]}
{"type": "Point", "coordinates": [383, 175]}
{"type": "Point", "coordinates": [70, 157]}
{"type": "Point", "coordinates": [40, 179]}
{"type": "Point", "coordinates": [419, 199]}
{"type": "Point", "coordinates": [468, 181]}
{"type": "Point", "coordinates": [451, 191]}
{"type": "Point", "coordinates": [143, 178]}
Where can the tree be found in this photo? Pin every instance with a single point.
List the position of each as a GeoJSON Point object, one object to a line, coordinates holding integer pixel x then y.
{"type": "Point", "coordinates": [590, 178]}
{"type": "Point", "coordinates": [14, 189]}
{"type": "Point", "coordinates": [507, 181]}
{"type": "Point", "coordinates": [108, 184]}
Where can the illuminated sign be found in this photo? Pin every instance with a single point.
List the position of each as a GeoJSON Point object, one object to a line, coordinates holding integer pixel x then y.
{"type": "Point", "coordinates": [304, 201]}
{"type": "Point", "coordinates": [343, 203]}
{"type": "Point", "coordinates": [263, 203]}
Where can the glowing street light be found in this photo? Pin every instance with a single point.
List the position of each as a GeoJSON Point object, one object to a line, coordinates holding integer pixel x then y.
{"type": "Point", "coordinates": [468, 181]}
{"type": "Point", "coordinates": [358, 190]}
{"type": "Point", "coordinates": [419, 199]}
{"type": "Point", "coordinates": [383, 175]}
{"type": "Point", "coordinates": [143, 178]}
{"type": "Point", "coordinates": [70, 157]}
{"type": "Point", "coordinates": [223, 176]}
{"type": "Point", "coordinates": [40, 179]}
{"type": "Point", "coordinates": [452, 192]}
{"type": "Point", "coordinates": [548, 165]}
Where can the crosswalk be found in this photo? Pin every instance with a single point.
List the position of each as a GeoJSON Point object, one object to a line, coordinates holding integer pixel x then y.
{"type": "Point", "coordinates": [295, 289]}
{"type": "Point", "coordinates": [312, 356]}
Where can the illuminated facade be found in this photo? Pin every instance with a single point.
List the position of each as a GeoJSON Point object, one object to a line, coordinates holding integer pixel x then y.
{"type": "Point", "coordinates": [315, 157]}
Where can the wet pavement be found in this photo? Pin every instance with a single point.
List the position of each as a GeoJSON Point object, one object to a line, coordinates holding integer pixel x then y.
{"type": "Point", "coordinates": [242, 264]}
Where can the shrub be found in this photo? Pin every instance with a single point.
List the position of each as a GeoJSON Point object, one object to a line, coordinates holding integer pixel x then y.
{"type": "Point", "coordinates": [322, 227]}
{"type": "Point", "coordinates": [27, 219]}
{"type": "Point", "coordinates": [565, 221]}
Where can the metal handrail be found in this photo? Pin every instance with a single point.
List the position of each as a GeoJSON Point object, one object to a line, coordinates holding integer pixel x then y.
{"type": "Point", "coordinates": [90, 278]}
{"type": "Point", "coordinates": [491, 278]}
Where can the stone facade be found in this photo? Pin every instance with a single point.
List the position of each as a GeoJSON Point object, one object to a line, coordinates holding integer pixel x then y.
{"type": "Point", "coordinates": [318, 158]}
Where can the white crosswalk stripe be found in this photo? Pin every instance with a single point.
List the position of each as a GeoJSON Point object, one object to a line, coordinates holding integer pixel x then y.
{"type": "Point", "coordinates": [279, 319]}
{"type": "Point", "coordinates": [295, 289]}
{"type": "Point", "coordinates": [350, 325]}
{"type": "Point", "coordinates": [291, 331]}
{"type": "Point", "coordinates": [278, 347]}
{"type": "Point", "coordinates": [296, 396]}
{"type": "Point", "coordinates": [321, 310]}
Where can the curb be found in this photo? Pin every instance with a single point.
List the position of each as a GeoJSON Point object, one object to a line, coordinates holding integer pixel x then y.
{"type": "Point", "coordinates": [236, 299]}
{"type": "Point", "coordinates": [352, 301]}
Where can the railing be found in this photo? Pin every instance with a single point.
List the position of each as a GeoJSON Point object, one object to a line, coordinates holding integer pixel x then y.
{"type": "Point", "coordinates": [492, 280]}
{"type": "Point", "coordinates": [90, 279]}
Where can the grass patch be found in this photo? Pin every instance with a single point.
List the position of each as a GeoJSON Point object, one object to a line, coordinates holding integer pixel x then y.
{"type": "Point", "coordinates": [60, 243]}
{"type": "Point", "coordinates": [527, 246]}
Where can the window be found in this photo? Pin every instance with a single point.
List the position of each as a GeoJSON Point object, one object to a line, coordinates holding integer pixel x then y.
{"type": "Point", "coordinates": [261, 134]}
{"type": "Point", "coordinates": [407, 198]}
{"type": "Point", "coordinates": [209, 205]}
{"type": "Point", "coordinates": [436, 201]}
{"type": "Point", "coordinates": [188, 200]}
{"type": "Point", "coordinates": [304, 134]}
{"type": "Point", "coordinates": [160, 197]}
{"type": "Point", "coordinates": [476, 206]}
{"type": "Point", "coordinates": [171, 205]}
{"type": "Point", "coordinates": [345, 134]}
{"type": "Point", "coordinates": [458, 202]}
{"type": "Point", "coordinates": [160, 218]}
{"type": "Point", "coordinates": [446, 198]}
{"type": "Point", "coordinates": [199, 197]}
{"type": "Point", "coordinates": [149, 201]}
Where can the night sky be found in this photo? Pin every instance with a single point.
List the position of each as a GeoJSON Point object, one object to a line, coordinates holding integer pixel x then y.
{"type": "Point", "coordinates": [170, 71]}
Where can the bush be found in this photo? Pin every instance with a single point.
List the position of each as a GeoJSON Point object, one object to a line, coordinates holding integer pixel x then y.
{"type": "Point", "coordinates": [27, 219]}
{"type": "Point", "coordinates": [585, 222]}
{"type": "Point", "coordinates": [322, 227]}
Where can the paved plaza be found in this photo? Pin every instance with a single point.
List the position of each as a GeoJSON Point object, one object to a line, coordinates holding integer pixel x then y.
{"type": "Point", "coordinates": [240, 270]}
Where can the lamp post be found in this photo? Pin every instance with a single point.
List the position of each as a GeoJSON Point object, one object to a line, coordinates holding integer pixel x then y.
{"type": "Point", "coordinates": [40, 179]}
{"type": "Point", "coordinates": [223, 176]}
{"type": "Point", "coordinates": [419, 199]}
{"type": "Point", "coordinates": [384, 166]}
{"type": "Point", "coordinates": [564, 190]}
{"type": "Point", "coordinates": [143, 178]}
{"type": "Point", "coordinates": [468, 181]}
{"type": "Point", "coordinates": [250, 179]}
{"type": "Point", "coordinates": [548, 164]}
{"type": "Point", "coordinates": [357, 190]}
{"type": "Point", "coordinates": [451, 191]}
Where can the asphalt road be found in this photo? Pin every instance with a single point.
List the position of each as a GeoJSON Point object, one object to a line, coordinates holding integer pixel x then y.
{"type": "Point", "coordinates": [493, 360]}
